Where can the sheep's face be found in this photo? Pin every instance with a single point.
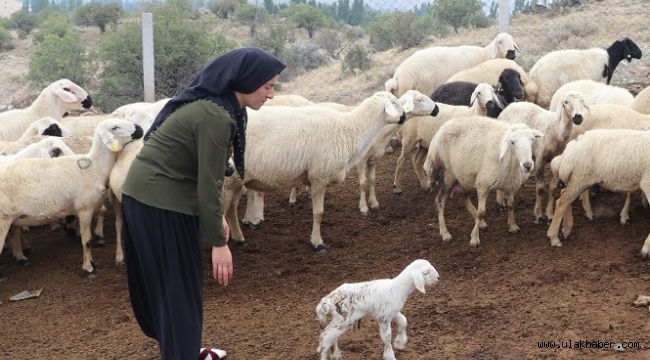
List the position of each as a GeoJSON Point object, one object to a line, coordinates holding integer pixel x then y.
{"type": "Point", "coordinates": [510, 85]}
{"type": "Point", "coordinates": [115, 133]}
{"type": "Point", "coordinates": [573, 104]}
{"type": "Point", "coordinates": [71, 95]}
{"type": "Point", "coordinates": [50, 127]}
{"type": "Point", "coordinates": [630, 49]}
{"type": "Point", "coordinates": [416, 103]}
{"type": "Point", "coordinates": [393, 110]}
{"type": "Point", "coordinates": [486, 97]}
{"type": "Point", "coordinates": [504, 46]}
{"type": "Point", "coordinates": [423, 274]}
{"type": "Point", "coordinates": [519, 141]}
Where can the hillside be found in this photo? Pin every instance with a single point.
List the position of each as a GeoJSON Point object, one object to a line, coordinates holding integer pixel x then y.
{"type": "Point", "coordinates": [8, 7]}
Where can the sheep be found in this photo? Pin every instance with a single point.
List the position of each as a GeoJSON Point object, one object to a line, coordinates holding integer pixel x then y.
{"type": "Point", "coordinates": [420, 130]}
{"type": "Point", "coordinates": [429, 68]}
{"type": "Point", "coordinates": [594, 92]}
{"type": "Point", "coordinates": [483, 154]}
{"type": "Point", "coordinates": [82, 192]}
{"type": "Point", "coordinates": [616, 159]}
{"type": "Point", "coordinates": [382, 300]}
{"type": "Point", "coordinates": [557, 127]}
{"type": "Point", "coordinates": [46, 126]}
{"type": "Point", "coordinates": [288, 100]}
{"type": "Point", "coordinates": [489, 71]}
{"type": "Point", "coordinates": [83, 125]}
{"type": "Point", "coordinates": [559, 67]}
{"type": "Point", "coordinates": [310, 145]}
{"type": "Point", "coordinates": [55, 100]}
{"type": "Point", "coordinates": [48, 147]}
{"type": "Point", "coordinates": [126, 111]}
{"type": "Point", "coordinates": [509, 88]}
{"type": "Point", "coordinates": [641, 102]}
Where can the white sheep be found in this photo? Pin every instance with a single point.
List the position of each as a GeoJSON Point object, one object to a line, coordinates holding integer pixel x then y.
{"type": "Point", "coordinates": [128, 110]}
{"type": "Point", "coordinates": [429, 68]}
{"type": "Point", "coordinates": [559, 67]}
{"type": "Point", "coordinates": [381, 300]}
{"type": "Point", "coordinates": [641, 102]}
{"type": "Point", "coordinates": [488, 72]}
{"type": "Point", "coordinates": [616, 159]}
{"type": "Point", "coordinates": [54, 101]}
{"type": "Point", "coordinates": [69, 185]}
{"type": "Point", "coordinates": [419, 131]}
{"type": "Point", "coordinates": [46, 126]}
{"type": "Point", "coordinates": [594, 92]}
{"type": "Point", "coordinates": [483, 154]}
{"type": "Point", "coordinates": [288, 100]}
{"type": "Point", "coordinates": [556, 126]}
{"type": "Point", "coordinates": [310, 145]}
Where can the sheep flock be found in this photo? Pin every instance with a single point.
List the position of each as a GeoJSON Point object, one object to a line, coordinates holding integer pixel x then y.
{"type": "Point", "coordinates": [470, 119]}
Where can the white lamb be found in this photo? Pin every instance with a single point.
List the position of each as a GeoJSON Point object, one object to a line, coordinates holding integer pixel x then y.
{"type": "Point", "coordinates": [69, 185]}
{"type": "Point", "coordinates": [616, 159]}
{"type": "Point", "coordinates": [641, 102]}
{"type": "Point", "coordinates": [483, 154]}
{"type": "Point", "coordinates": [559, 67]}
{"type": "Point", "coordinates": [594, 92]}
{"type": "Point", "coordinates": [420, 130]}
{"type": "Point", "coordinates": [310, 145]}
{"type": "Point", "coordinates": [54, 101]}
{"type": "Point", "coordinates": [288, 100]}
{"type": "Point", "coordinates": [46, 126]}
{"type": "Point", "coordinates": [429, 68]}
{"type": "Point", "coordinates": [128, 110]}
{"type": "Point", "coordinates": [488, 72]}
{"type": "Point", "coordinates": [381, 300]}
{"type": "Point", "coordinates": [48, 147]}
{"type": "Point", "coordinates": [557, 127]}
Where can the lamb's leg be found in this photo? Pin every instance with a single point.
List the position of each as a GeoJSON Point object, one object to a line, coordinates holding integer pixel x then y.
{"type": "Point", "coordinates": [552, 188]}
{"type": "Point", "coordinates": [318, 200]}
{"type": "Point", "coordinates": [98, 233]}
{"type": "Point", "coordinates": [567, 196]}
{"type": "Point", "coordinates": [85, 219]}
{"type": "Point", "coordinates": [441, 199]}
{"type": "Point", "coordinates": [251, 217]}
{"type": "Point", "coordinates": [586, 205]}
{"type": "Point", "coordinates": [625, 212]}
{"type": "Point", "coordinates": [328, 340]}
{"type": "Point", "coordinates": [362, 167]}
{"type": "Point", "coordinates": [372, 182]}
{"type": "Point", "coordinates": [117, 209]}
{"type": "Point", "coordinates": [401, 339]}
{"type": "Point", "coordinates": [419, 159]}
{"type": "Point", "coordinates": [385, 334]}
{"type": "Point", "coordinates": [292, 196]}
{"type": "Point", "coordinates": [482, 200]}
{"type": "Point", "coordinates": [407, 149]}
{"type": "Point", "coordinates": [5, 224]}
{"type": "Point", "coordinates": [567, 222]}
{"type": "Point", "coordinates": [539, 192]}
{"type": "Point", "coordinates": [232, 194]}
{"type": "Point", "coordinates": [472, 210]}
{"type": "Point", "coordinates": [645, 250]}
{"type": "Point", "coordinates": [512, 225]}
{"type": "Point", "coordinates": [259, 205]}
{"type": "Point", "coordinates": [501, 203]}
{"type": "Point", "coordinates": [15, 233]}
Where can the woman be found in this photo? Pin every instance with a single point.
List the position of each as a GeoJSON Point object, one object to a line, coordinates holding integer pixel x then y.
{"type": "Point", "coordinates": [172, 196]}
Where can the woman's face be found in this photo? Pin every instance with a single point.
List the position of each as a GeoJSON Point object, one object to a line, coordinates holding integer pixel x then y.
{"type": "Point", "coordinates": [256, 99]}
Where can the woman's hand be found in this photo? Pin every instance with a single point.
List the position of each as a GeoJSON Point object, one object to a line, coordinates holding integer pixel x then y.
{"type": "Point", "coordinates": [222, 259]}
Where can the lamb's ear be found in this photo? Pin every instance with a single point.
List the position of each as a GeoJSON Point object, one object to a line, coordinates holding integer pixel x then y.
{"type": "Point", "coordinates": [495, 50]}
{"type": "Point", "coordinates": [390, 108]}
{"type": "Point", "coordinates": [516, 47]}
{"type": "Point", "coordinates": [418, 281]}
{"type": "Point", "coordinates": [473, 98]}
{"type": "Point", "coordinates": [109, 140]}
{"type": "Point", "coordinates": [65, 96]}
{"type": "Point", "coordinates": [505, 143]}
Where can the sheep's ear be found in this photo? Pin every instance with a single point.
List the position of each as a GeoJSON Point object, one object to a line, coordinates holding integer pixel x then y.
{"type": "Point", "coordinates": [537, 134]}
{"type": "Point", "coordinates": [473, 98]}
{"type": "Point", "coordinates": [109, 140]}
{"type": "Point", "coordinates": [495, 50]}
{"type": "Point", "coordinates": [505, 143]}
{"type": "Point", "coordinates": [390, 108]}
{"type": "Point", "coordinates": [65, 96]}
{"type": "Point", "coordinates": [516, 47]}
{"type": "Point", "coordinates": [418, 281]}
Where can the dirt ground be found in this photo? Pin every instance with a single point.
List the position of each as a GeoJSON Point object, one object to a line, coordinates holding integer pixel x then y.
{"type": "Point", "coordinates": [497, 301]}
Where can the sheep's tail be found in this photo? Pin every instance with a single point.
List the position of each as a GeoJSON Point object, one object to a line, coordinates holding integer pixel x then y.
{"type": "Point", "coordinates": [532, 90]}
{"type": "Point", "coordinates": [323, 309]}
{"type": "Point", "coordinates": [564, 170]}
{"type": "Point", "coordinates": [392, 86]}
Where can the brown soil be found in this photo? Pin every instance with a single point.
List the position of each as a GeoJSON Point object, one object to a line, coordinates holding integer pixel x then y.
{"type": "Point", "coordinates": [497, 301]}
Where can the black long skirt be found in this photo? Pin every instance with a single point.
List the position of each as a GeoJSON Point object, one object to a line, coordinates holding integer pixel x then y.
{"type": "Point", "coordinates": [162, 251]}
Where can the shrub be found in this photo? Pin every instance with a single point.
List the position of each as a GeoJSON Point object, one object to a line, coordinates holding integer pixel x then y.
{"type": "Point", "coordinates": [5, 39]}
{"type": "Point", "coordinates": [396, 30]}
{"type": "Point", "coordinates": [356, 60]}
{"type": "Point", "coordinates": [56, 24]}
{"type": "Point", "coordinates": [24, 20]}
{"type": "Point", "coordinates": [7, 23]}
{"type": "Point", "coordinates": [274, 39]}
{"type": "Point", "coordinates": [332, 42]}
{"type": "Point", "coordinates": [302, 57]}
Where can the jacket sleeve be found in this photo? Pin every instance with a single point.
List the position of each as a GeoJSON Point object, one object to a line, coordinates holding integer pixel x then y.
{"type": "Point", "coordinates": [214, 132]}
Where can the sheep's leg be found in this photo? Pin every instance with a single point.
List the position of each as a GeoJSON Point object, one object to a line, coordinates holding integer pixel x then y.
{"type": "Point", "coordinates": [552, 188]}
{"type": "Point", "coordinates": [98, 234]}
{"type": "Point", "coordinates": [401, 339]}
{"type": "Point", "coordinates": [70, 228]}
{"type": "Point", "coordinates": [251, 217]}
{"type": "Point", "coordinates": [645, 250]}
{"type": "Point", "coordinates": [407, 149]}
{"type": "Point", "coordinates": [586, 204]}
{"type": "Point", "coordinates": [259, 205]}
{"type": "Point", "coordinates": [5, 224]}
{"type": "Point", "coordinates": [117, 209]}
{"type": "Point", "coordinates": [17, 247]}
{"type": "Point", "coordinates": [230, 204]}
{"type": "Point", "coordinates": [567, 196]}
{"type": "Point", "coordinates": [292, 196]}
{"type": "Point", "coordinates": [472, 210]}
{"type": "Point", "coordinates": [362, 167]}
{"type": "Point", "coordinates": [372, 182]}
{"type": "Point", "coordinates": [418, 163]}
{"type": "Point", "coordinates": [625, 212]}
{"type": "Point", "coordinates": [385, 334]}
{"type": "Point", "coordinates": [539, 192]}
{"type": "Point", "coordinates": [328, 340]}
{"type": "Point", "coordinates": [85, 219]}
{"type": "Point", "coordinates": [318, 200]}
{"type": "Point", "coordinates": [501, 203]}
{"type": "Point", "coordinates": [441, 200]}
{"type": "Point", "coordinates": [567, 221]}
{"type": "Point", "coordinates": [512, 225]}
{"type": "Point", "coordinates": [482, 200]}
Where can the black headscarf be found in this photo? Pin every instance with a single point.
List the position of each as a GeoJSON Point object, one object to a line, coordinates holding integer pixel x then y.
{"type": "Point", "coordinates": [243, 70]}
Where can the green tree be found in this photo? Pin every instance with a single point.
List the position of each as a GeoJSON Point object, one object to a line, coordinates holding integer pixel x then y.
{"type": "Point", "coordinates": [494, 10]}
{"type": "Point", "coordinates": [252, 16]}
{"type": "Point", "coordinates": [457, 13]}
{"type": "Point", "coordinates": [98, 14]}
{"type": "Point", "coordinates": [343, 10]}
{"type": "Point", "coordinates": [270, 6]}
{"type": "Point", "coordinates": [5, 39]}
{"type": "Point", "coordinates": [182, 48]}
{"type": "Point", "coordinates": [274, 39]}
{"type": "Point", "coordinates": [397, 29]}
{"type": "Point", "coordinates": [356, 13]}
{"type": "Point", "coordinates": [39, 5]}
{"type": "Point", "coordinates": [224, 8]}
{"type": "Point", "coordinates": [24, 20]}
{"type": "Point", "coordinates": [519, 6]}
{"type": "Point", "coordinates": [307, 17]}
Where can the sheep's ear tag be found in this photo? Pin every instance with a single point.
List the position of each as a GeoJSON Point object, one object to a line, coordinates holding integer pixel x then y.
{"type": "Point", "coordinates": [408, 107]}
{"type": "Point", "coordinates": [115, 146]}
{"type": "Point", "coordinates": [629, 56]}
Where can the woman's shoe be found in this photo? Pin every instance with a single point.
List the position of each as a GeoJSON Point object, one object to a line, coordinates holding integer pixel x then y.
{"type": "Point", "coordinates": [212, 354]}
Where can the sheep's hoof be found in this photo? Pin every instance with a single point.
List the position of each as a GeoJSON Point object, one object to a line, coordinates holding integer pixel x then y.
{"type": "Point", "coordinates": [319, 249]}
{"type": "Point", "coordinates": [241, 243]}
{"type": "Point", "coordinates": [3, 277]}
{"type": "Point", "coordinates": [22, 262]}
{"type": "Point", "coordinates": [446, 238]}
{"type": "Point", "coordinates": [90, 274]}
{"type": "Point", "coordinates": [389, 150]}
{"type": "Point", "coordinates": [625, 222]}
{"type": "Point", "coordinates": [502, 208]}
{"type": "Point", "coordinates": [251, 225]}
{"type": "Point", "coordinates": [644, 255]}
{"type": "Point", "coordinates": [98, 240]}
{"type": "Point", "coordinates": [474, 243]}
{"type": "Point", "coordinates": [363, 213]}
{"type": "Point", "coordinates": [398, 195]}
{"type": "Point", "coordinates": [292, 204]}
{"type": "Point", "coordinates": [591, 218]}
{"type": "Point", "coordinates": [27, 251]}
